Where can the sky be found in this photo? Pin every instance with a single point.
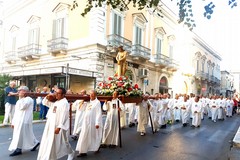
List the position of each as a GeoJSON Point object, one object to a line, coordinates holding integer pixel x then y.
{"type": "Point", "coordinates": [221, 32]}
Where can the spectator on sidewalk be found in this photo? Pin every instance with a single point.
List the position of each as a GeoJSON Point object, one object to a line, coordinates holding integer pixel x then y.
{"type": "Point", "coordinates": [10, 102]}
{"type": "Point", "coordinates": [23, 137]}
{"type": "Point", "coordinates": [43, 108]}
{"type": "Point", "coordinates": [36, 100]}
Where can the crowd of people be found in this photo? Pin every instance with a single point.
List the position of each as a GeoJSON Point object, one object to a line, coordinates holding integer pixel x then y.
{"type": "Point", "coordinates": [90, 131]}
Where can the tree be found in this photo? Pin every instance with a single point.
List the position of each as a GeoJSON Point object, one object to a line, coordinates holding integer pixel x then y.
{"type": "Point", "coordinates": [4, 82]}
{"type": "Point", "coordinates": [185, 7]}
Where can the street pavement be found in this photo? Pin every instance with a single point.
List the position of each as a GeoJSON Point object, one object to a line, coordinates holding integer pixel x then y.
{"type": "Point", "coordinates": [209, 142]}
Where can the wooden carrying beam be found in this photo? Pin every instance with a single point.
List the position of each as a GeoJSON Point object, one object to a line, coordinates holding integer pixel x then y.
{"type": "Point", "coordinates": [73, 97]}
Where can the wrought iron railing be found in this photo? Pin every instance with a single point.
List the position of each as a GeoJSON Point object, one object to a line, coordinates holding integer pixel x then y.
{"type": "Point", "coordinates": [115, 41]}
{"type": "Point", "coordinates": [57, 44]}
{"type": "Point", "coordinates": [141, 51]}
{"type": "Point", "coordinates": [29, 50]}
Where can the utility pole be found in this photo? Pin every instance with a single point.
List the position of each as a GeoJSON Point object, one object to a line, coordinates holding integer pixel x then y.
{"type": "Point", "coordinates": [67, 76]}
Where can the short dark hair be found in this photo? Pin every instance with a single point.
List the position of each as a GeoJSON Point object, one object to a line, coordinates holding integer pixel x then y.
{"type": "Point", "coordinates": [63, 90]}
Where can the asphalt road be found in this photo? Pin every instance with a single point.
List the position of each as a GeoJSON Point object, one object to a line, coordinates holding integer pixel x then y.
{"type": "Point", "coordinates": [209, 142]}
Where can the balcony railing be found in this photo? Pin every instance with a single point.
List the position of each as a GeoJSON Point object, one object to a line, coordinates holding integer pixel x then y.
{"type": "Point", "coordinates": [212, 78]}
{"type": "Point", "coordinates": [217, 80]}
{"type": "Point", "coordinates": [114, 41]}
{"type": "Point", "coordinates": [202, 75]}
{"type": "Point", "coordinates": [10, 57]}
{"type": "Point", "coordinates": [140, 52]}
{"type": "Point", "coordinates": [57, 45]}
{"type": "Point", "coordinates": [160, 60]}
{"type": "Point", "coordinates": [173, 65]}
{"type": "Point", "coordinates": [30, 51]}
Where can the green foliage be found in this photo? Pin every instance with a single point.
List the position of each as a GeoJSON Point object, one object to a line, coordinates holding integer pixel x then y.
{"type": "Point", "coordinates": [186, 13]}
{"type": "Point", "coordinates": [4, 82]}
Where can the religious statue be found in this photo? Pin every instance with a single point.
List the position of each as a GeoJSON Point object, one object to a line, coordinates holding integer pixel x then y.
{"type": "Point", "coordinates": [121, 61]}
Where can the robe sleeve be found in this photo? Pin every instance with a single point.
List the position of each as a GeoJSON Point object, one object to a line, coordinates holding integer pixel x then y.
{"type": "Point", "coordinates": [122, 107]}
{"type": "Point", "coordinates": [24, 104]}
{"type": "Point", "coordinates": [47, 103]}
{"type": "Point", "coordinates": [63, 122]}
{"type": "Point", "coordinates": [98, 114]}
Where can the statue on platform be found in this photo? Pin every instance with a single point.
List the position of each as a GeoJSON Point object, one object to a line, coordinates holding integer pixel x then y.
{"type": "Point", "coordinates": [121, 61]}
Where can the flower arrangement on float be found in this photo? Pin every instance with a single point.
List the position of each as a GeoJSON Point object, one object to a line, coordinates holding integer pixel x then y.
{"type": "Point", "coordinates": [121, 84]}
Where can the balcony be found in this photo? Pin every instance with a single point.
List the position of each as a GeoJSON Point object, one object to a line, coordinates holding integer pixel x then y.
{"type": "Point", "coordinates": [58, 45]}
{"type": "Point", "coordinates": [173, 65]}
{"type": "Point", "coordinates": [217, 80]}
{"type": "Point", "coordinates": [160, 60]}
{"type": "Point", "coordinates": [201, 75]}
{"type": "Point", "coordinates": [10, 57]}
{"type": "Point", "coordinates": [140, 52]}
{"type": "Point", "coordinates": [114, 41]}
{"type": "Point", "coordinates": [29, 52]}
{"type": "Point", "coordinates": [212, 79]}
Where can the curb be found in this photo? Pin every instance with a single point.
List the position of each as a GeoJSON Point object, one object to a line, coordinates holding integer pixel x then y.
{"type": "Point", "coordinates": [35, 121]}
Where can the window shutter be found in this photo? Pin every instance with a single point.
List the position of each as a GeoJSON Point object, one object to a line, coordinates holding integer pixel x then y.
{"type": "Point", "coordinates": [54, 29]}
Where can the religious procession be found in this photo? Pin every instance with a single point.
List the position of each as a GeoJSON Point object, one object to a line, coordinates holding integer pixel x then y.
{"type": "Point", "coordinates": [148, 113]}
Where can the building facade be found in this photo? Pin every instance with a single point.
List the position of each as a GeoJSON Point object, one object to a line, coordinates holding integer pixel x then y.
{"type": "Point", "coordinates": [46, 43]}
{"type": "Point", "coordinates": [227, 84]}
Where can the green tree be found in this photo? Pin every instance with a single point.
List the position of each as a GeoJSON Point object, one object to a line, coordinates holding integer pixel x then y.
{"type": "Point", "coordinates": [4, 82]}
{"type": "Point", "coordinates": [185, 7]}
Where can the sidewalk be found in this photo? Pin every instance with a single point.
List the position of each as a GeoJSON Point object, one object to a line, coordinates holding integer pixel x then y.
{"type": "Point", "coordinates": [235, 148]}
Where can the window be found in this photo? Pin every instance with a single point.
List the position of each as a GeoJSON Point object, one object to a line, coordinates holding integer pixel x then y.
{"type": "Point", "coordinates": [139, 25]}
{"type": "Point", "coordinates": [59, 28]}
{"type": "Point", "coordinates": [159, 46]}
{"type": "Point", "coordinates": [117, 24]}
{"type": "Point", "coordinates": [33, 36]}
{"type": "Point", "coordinates": [138, 35]}
{"type": "Point", "coordinates": [171, 51]}
{"type": "Point", "coordinates": [14, 47]}
{"type": "Point", "coordinates": [60, 81]}
{"type": "Point", "coordinates": [203, 63]}
{"type": "Point", "coordinates": [197, 65]}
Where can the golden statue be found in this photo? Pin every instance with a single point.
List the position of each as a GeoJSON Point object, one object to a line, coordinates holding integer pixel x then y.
{"type": "Point", "coordinates": [121, 61]}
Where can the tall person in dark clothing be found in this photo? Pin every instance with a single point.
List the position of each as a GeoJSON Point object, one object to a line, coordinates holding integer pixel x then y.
{"type": "Point", "coordinates": [10, 102]}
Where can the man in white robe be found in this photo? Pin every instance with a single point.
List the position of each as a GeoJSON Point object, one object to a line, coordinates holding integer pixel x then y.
{"type": "Point", "coordinates": [163, 111]}
{"type": "Point", "coordinates": [23, 137]}
{"type": "Point", "coordinates": [55, 143]}
{"type": "Point", "coordinates": [214, 108]}
{"type": "Point", "coordinates": [185, 109]}
{"type": "Point", "coordinates": [222, 108]}
{"type": "Point", "coordinates": [143, 115]}
{"type": "Point", "coordinates": [229, 107]}
{"type": "Point", "coordinates": [91, 132]}
{"type": "Point", "coordinates": [176, 108]}
{"type": "Point", "coordinates": [111, 126]}
{"type": "Point", "coordinates": [155, 105]}
{"type": "Point", "coordinates": [131, 108]}
{"type": "Point", "coordinates": [79, 106]}
{"type": "Point", "coordinates": [196, 109]}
